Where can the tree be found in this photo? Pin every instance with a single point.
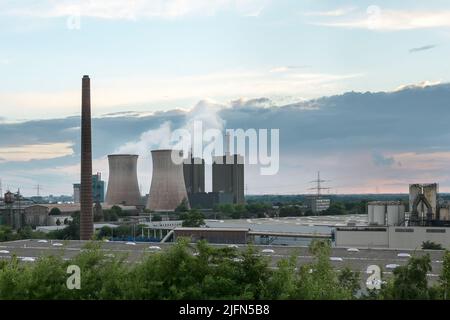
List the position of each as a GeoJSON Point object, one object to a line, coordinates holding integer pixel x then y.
{"type": "Point", "coordinates": [183, 206]}
{"type": "Point", "coordinates": [429, 245]}
{"type": "Point", "coordinates": [55, 212]}
{"type": "Point", "coordinates": [193, 218]}
{"type": "Point", "coordinates": [444, 278]}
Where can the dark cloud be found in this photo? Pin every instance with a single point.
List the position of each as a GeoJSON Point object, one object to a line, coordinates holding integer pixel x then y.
{"type": "Point", "coordinates": [424, 48]}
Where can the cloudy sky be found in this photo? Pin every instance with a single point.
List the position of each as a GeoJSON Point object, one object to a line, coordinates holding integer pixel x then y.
{"type": "Point", "coordinates": [358, 89]}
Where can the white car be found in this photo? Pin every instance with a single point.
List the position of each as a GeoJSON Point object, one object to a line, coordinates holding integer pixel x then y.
{"type": "Point", "coordinates": [237, 260]}
{"type": "Point", "coordinates": [154, 248]}
{"type": "Point", "coordinates": [28, 259]}
{"type": "Point", "coordinates": [233, 246]}
{"type": "Point", "coordinates": [131, 243]}
{"type": "Point", "coordinates": [4, 251]}
{"type": "Point", "coordinates": [57, 244]}
{"type": "Point", "coordinates": [268, 251]}
{"type": "Point", "coordinates": [336, 259]}
{"type": "Point", "coordinates": [404, 255]}
{"type": "Point", "coordinates": [353, 250]}
{"type": "Point", "coordinates": [42, 241]}
{"type": "Point", "coordinates": [392, 266]}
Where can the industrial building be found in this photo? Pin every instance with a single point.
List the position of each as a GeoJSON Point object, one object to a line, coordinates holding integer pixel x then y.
{"type": "Point", "coordinates": [390, 226]}
{"type": "Point", "coordinates": [168, 188]}
{"type": "Point", "coordinates": [98, 189]}
{"type": "Point", "coordinates": [208, 200]}
{"type": "Point", "coordinates": [228, 176]}
{"type": "Point", "coordinates": [123, 186]}
{"type": "Point", "coordinates": [214, 235]}
{"type": "Point", "coordinates": [317, 204]}
{"type": "Point", "coordinates": [194, 175]}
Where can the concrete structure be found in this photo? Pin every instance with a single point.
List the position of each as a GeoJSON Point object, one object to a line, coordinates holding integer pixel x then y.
{"type": "Point", "coordinates": [86, 214]}
{"type": "Point", "coordinates": [194, 175]}
{"type": "Point", "coordinates": [213, 235]}
{"type": "Point", "coordinates": [391, 237]}
{"type": "Point", "coordinates": [228, 176]}
{"type": "Point", "coordinates": [168, 188]}
{"type": "Point", "coordinates": [98, 189]}
{"type": "Point", "coordinates": [123, 186]}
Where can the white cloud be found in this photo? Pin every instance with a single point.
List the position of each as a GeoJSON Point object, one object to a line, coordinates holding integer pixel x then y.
{"type": "Point", "coordinates": [422, 84]}
{"type": "Point", "coordinates": [135, 9]}
{"type": "Point", "coordinates": [109, 95]}
{"type": "Point", "coordinates": [36, 152]}
{"type": "Point", "coordinates": [331, 13]}
{"type": "Point", "coordinates": [377, 18]}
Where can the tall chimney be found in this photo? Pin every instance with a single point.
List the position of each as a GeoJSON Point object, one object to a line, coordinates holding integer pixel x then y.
{"type": "Point", "coordinates": [86, 216]}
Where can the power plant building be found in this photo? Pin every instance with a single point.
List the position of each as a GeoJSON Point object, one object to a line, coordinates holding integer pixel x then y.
{"type": "Point", "coordinates": [194, 175]}
{"type": "Point", "coordinates": [123, 186]}
{"type": "Point", "coordinates": [168, 188]}
{"type": "Point", "coordinates": [228, 176]}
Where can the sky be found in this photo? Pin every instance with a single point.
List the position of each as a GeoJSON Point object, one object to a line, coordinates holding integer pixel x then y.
{"type": "Point", "coordinates": [156, 65]}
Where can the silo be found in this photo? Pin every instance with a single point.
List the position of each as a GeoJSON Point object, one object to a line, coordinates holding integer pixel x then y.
{"type": "Point", "coordinates": [123, 187]}
{"type": "Point", "coordinates": [168, 188]}
{"type": "Point", "coordinates": [370, 219]}
{"type": "Point", "coordinates": [379, 211]}
{"type": "Point", "coordinates": [393, 214]}
{"type": "Point", "coordinates": [401, 214]}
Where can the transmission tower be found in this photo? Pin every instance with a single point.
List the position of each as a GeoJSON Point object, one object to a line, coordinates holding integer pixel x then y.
{"type": "Point", "coordinates": [318, 188]}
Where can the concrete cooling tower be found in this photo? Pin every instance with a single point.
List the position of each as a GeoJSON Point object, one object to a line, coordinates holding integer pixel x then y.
{"type": "Point", "coordinates": [168, 189]}
{"type": "Point", "coordinates": [123, 187]}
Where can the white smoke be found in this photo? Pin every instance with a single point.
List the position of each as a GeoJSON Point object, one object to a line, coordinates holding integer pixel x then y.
{"type": "Point", "coordinates": [206, 111]}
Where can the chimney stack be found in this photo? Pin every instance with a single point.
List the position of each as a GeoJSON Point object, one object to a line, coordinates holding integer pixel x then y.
{"type": "Point", "coordinates": [86, 215]}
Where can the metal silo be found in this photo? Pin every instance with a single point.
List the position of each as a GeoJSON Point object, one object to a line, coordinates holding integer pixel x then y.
{"type": "Point", "coordinates": [123, 186]}
{"type": "Point", "coordinates": [379, 214]}
{"type": "Point", "coordinates": [168, 188]}
{"type": "Point", "coordinates": [393, 214]}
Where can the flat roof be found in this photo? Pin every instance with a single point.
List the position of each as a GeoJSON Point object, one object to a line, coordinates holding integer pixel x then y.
{"type": "Point", "coordinates": [213, 229]}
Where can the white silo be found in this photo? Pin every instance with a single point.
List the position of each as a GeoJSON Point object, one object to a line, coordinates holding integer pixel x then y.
{"type": "Point", "coordinates": [401, 214]}
{"type": "Point", "coordinates": [168, 188]}
{"type": "Point", "coordinates": [123, 186]}
{"type": "Point", "coordinates": [379, 214]}
{"type": "Point", "coordinates": [393, 214]}
{"type": "Point", "coordinates": [370, 219]}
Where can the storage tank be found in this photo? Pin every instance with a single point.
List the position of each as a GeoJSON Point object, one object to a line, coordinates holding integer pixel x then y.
{"type": "Point", "coordinates": [370, 219]}
{"type": "Point", "coordinates": [168, 188]}
{"type": "Point", "coordinates": [379, 214]}
{"type": "Point", "coordinates": [123, 186]}
{"type": "Point", "coordinates": [393, 214]}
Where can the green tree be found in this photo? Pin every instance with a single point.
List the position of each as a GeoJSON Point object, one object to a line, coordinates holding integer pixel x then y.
{"type": "Point", "coordinates": [193, 218]}
{"type": "Point", "coordinates": [55, 212]}
{"type": "Point", "coordinates": [429, 245]}
{"type": "Point", "coordinates": [444, 278]}
{"type": "Point", "coordinates": [183, 206]}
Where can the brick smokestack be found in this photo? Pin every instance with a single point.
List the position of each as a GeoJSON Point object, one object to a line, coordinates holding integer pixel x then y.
{"type": "Point", "coordinates": [86, 214]}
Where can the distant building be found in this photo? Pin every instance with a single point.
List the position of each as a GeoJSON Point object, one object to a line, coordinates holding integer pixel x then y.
{"type": "Point", "coordinates": [98, 189]}
{"type": "Point", "coordinates": [228, 176]}
{"type": "Point", "coordinates": [317, 204]}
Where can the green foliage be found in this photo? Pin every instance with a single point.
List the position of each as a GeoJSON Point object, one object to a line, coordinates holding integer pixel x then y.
{"type": "Point", "coordinates": [429, 245]}
{"type": "Point", "coordinates": [183, 206]}
{"type": "Point", "coordinates": [193, 218]}
{"type": "Point", "coordinates": [336, 208]}
{"type": "Point", "coordinates": [55, 212]}
{"type": "Point", "coordinates": [444, 278]}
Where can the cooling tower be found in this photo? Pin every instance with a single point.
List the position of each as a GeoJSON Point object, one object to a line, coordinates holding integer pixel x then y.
{"type": "Point", "coordinates": [123, 187]}
{"type": "Point", "coordinates": [168, 189]}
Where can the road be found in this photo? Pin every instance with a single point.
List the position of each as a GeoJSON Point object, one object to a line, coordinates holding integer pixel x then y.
{"type": "Point", "coordinates": [29, 250]}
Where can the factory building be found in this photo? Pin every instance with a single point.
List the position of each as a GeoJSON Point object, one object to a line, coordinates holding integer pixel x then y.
{"type": "Point", "coordinates": [208, 200]}
{"type": "Point", "coordinates": [98, 189]}
{"type": "Point", "coordinates": [123, 186]}
{"type": "Point", "coordinates": [228, 176]}
{"type": "Point", "coordinates": [317, 204]}
{"type": "Point", "coordinates": [168, 188]}
{"type": "Point", "coordinates": [194, 175]}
